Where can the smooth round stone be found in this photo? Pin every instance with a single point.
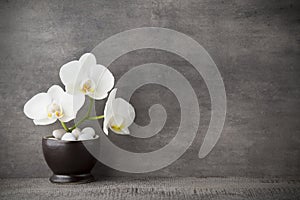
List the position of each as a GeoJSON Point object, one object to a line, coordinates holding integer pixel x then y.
{"type": "Point", "coordinates": [76, 132]}
{"type": "Point", "coordinates": [85, 136]}
{"type": "Point", "coordinates": [58, 133]}
{"type": "Point", "coordinates": [68, 137]}
{"type": "Point", "coordinates": [88, 130]}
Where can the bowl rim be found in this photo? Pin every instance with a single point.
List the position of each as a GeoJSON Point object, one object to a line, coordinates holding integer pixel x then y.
{"type": "Point", "coordinates": [67, 141]}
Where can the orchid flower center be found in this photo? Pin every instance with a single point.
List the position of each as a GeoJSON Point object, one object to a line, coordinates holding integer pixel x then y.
{"type": "Point", "coordinates": [116, 126]}
{"type": "Point", "coordinates": [87, 86]}
{"type": "Point", "coordinates": [55, 110]}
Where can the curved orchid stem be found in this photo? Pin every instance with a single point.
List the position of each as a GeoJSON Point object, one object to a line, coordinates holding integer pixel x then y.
{"type": "Point", "coordinates": [87, 116]}
{"type": "Point", "coordinates": [64, 126]}
{"type": "Point", "coordinates": [96, 117]}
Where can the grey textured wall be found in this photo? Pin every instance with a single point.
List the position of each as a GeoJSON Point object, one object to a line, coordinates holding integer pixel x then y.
{"type": "Point", "coordinates": [254, 43]}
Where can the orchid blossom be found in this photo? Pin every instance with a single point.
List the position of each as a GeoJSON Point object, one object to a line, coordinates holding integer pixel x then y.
{"type": "Point", "coordinates": [118, 115]}
{"type": "Point", "coordinates": [86, 77]}
{"type": "Point", "coordinates": [46, 108]}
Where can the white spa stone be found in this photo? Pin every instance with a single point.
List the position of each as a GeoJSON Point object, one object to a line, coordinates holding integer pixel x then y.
{"type": "Point", "coordinates": [68, 137]}
{"type": "Point", "coordinates": [85, 137]}
{"type": "Point", "coordinates": [58, 133]}
{"type": "Point", "coordinates": [88, 130]}
{"type": "Point", "coordinates": [87, 133]}
{"type": "Point", "coordinates": [76, 132]}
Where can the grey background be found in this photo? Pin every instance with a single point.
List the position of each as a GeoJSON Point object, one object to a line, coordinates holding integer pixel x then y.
{"type": "Point", "coordinates": [254, 43]}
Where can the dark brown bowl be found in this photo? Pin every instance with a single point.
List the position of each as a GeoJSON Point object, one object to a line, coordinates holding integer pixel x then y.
{"type": "Point", "coordinates": [70, 161]}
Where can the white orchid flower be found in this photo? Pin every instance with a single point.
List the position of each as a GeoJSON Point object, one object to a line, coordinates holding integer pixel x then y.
{"type": "Point", "coordinates": [86, 77]}
{"type": "Point", "coordinates": [118, 114]}
{"type": "Point", "coordinates": [46, 108]}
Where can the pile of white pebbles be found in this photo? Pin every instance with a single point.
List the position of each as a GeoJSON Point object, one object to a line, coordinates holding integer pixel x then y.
{"type": "Point", "coordinates": [87, 133]}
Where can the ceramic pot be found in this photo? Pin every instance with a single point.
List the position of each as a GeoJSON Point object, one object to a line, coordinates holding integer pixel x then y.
{"type": "Point", "coordinates": [70, 161]}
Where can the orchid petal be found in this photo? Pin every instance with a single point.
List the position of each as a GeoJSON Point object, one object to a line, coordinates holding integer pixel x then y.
{"type": "Point", "coordinates": [124, 109]}
{"type": "Point", "coordinates": [45, 121]}
{"type": "Point", "coordinates": [104, 81]}
{"type": "Point", "coordinates": [36, 107]}
{"type": "Point", "coordinates": [87, 60]}
{"type": "Point", "coordinates": [69, 72]}
{"type": "Point", "coordinates": [55, 92]}
{"type": "Point", "coordinates": [125, 131]}
{"type": "Point", "coordinates": [78, 101]}
{"type": "Point", "coordinates": [67, 118]}
{"type": "Point", "coordinates": [115, 131]}
{"type": "Point", "coordinates": [105, 126]}
{"type": "Point", "coordinates": [108, 110]}
{"type": "Point", "coordinates": [72, 89]}
{"type": "Point", "coordinates": [110, 99]}
{"type": "Point", "coordinates": [67, 103]}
